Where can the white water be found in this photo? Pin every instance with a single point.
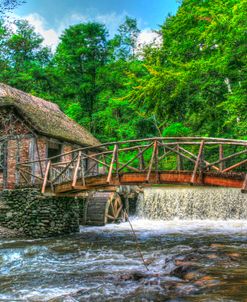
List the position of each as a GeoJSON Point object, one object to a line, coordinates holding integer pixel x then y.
{"type": "Point", "coordinates": [169, 203]}
{"type": "Point", "coordinates": [145, 228]}
{"type": "Point", "coordinates": [89, 266]}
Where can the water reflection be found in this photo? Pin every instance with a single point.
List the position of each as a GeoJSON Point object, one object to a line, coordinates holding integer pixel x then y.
{"type": "Point", "coordinates": [188, 261]}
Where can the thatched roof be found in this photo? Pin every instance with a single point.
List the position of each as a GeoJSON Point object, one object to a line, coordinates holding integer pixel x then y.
{"type": "Point", "coordinates": [45, 117]}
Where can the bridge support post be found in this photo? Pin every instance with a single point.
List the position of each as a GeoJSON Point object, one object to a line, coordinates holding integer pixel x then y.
{"type": "Point", "coordinates": [179, 160]}
{"type": "Point", "coordinates": [198, 163]}
{"type": "Point", "coordinates": [114, 157]}
{"type": "Point", "coordinates": [244, 188]}
{"type": "Point", "coordinates": [141, 160]}
{"type": "Point", "coordinates": [221, 156]}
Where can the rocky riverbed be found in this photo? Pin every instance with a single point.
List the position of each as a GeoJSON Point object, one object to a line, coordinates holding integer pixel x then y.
{"type": "Point", "coordinates": [192, 261]}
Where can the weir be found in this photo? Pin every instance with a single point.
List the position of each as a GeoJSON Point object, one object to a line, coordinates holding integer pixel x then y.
{"type": "Point", "coordinates": [183, 202]}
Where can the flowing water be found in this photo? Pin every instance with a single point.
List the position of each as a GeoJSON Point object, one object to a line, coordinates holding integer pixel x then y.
{"type": "Point", "coordinates": [188, 259]}
{"type": "Point", "coordinates": [192, 203]}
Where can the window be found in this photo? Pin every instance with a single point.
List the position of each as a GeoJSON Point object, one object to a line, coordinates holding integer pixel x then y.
{"type": "Point", "coordinates": [54, 150]}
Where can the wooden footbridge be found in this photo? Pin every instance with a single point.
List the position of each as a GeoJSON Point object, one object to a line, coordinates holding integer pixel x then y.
{"type": "Point", "coordinates": [145, 162]}
{"type": "Point", "coordinates": [102, 169]}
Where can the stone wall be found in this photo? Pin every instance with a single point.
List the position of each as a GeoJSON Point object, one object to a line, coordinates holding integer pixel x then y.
{"type": "Point", "coordinates": [37, 215]}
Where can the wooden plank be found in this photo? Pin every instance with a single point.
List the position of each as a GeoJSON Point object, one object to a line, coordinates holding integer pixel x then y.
{"type": "Point", "coordinates": [179, 153]}
{"type": "Point", "coordinates": [165, 177]}
{"type": "Point", "coordinates": [182, 140]}
{"type": "Point", "coordinates": [111, 165]}
{"type": "Point", "coordinates": [197, 162]}
{"type": "Point", "coordinates": [244, 187]}
{"type": "Point", "coordinates": [95, 159]}
{"type": "Point", "coordinates": [151, 162]}
{"type": "Point", "coordinates": [31, 174]}
{"type": "Point", "coordinates": [38, 153]}
{"type": "Point", "coordinates": [131, 168]}
{"type": "Point", "coordinates": [76, 169]}
{"type": "Point", "coordinates": [46, 176]}
{"type": "Point", "coordinates": [235, 166]}
{"type": "Point", "coordinates": [179, 159]}
{"type": "Point", "coordinates": [24, 176]}
{"type": "Point", "coordinates": [194, 156]}
{"type": "Point", "coordinates": [90, 169]}
{"type": "Point", "coordinates": [117, 162]}
{"type": "Point", "coordinates": [221, 156]}
{"type": "Point", "coordinates": [64, 169]}
{"type": "Point", "coordinates": [136, 156]}
{"type": "Point", "coordinates": [156, 162]}
{"type": "Point", "coordinates": [228, 157]}
{"type": "Point", "coordinates": [141, 160]}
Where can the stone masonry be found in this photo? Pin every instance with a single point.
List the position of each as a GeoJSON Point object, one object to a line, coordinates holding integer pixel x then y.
{"type": "Point", "coordinates": [38, 215]}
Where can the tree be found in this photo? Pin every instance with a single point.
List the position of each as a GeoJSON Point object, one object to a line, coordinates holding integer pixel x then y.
{"type": "Point", "coordinates": [198, 77]}
{"type": "Point", "coordinates": [116, 118]}
{"type": "Point", "coordinates": [78, 59]}
{"type": "Point", "coordinates": [8, 5]}
{"type": "Point", "coordinates": [4, 58]}
{"type": "Point", "coordinates": [23, 56]}
{"type": "Point", "coordinates": [125, 41]}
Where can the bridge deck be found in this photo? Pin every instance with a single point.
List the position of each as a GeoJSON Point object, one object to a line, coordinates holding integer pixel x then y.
{"type": "Point", "coordinates": [162, 160]}
{"type": "Point", "coordinates": [234, 180]}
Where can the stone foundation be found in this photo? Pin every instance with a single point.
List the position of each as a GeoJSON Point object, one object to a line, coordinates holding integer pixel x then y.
{"type": "Point", "coordinates": [38, 215]}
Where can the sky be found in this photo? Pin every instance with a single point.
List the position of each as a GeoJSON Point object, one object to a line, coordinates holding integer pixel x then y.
{"type": "Point", "coordinates": [51, 17]}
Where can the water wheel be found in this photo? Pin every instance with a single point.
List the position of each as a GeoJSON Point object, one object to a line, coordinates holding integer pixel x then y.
{"type": "Point", "coordinates": [102, 208]}
{"type": "Point", "coordinates": [115, 208]}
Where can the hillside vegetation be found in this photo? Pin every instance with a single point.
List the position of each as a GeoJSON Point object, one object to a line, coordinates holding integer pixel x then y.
{"type": "Point", "coordinates": [192, 83]}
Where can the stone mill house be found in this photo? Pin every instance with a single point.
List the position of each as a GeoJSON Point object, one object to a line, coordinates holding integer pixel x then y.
{"type": "Point", "coordinates": [33, 129]}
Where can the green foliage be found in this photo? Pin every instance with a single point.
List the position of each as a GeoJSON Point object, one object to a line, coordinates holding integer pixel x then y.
{"type": "Point", "coordinates": [23, 58]}
{"type": "Point", "coordinates": [193, 84]}
{"type": "Point", "coordinates": [198, 77]}
{"type": "Point", "coordinates": [175, 130]}
{"type": "Point", "coordinates": [8, 5]}
{"type": "Point", "coordinates": [77, 63]}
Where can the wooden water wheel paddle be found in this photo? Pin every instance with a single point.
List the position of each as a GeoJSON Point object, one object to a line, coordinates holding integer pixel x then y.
{"type": "Point", "coordinates": [115, 208]}
{"type": "Point", "coordinates": [102, 208]}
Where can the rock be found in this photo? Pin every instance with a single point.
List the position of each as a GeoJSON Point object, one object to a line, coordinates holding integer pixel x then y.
{"type": "Point", "coordinates": [184, 263]}
{"type": "Point", "coordinates": [212, 256]}
{"type": "Point", "coordinates": [9, 215]}
{"type": "Point", "coordinates": [182, 270]}
{"type": "Point", "coordinates": [206, 281]}
{"type": "Point", "coordinates": [38, 215]}
{"type": "Point", "coordinates": [149, 261]}
{"type": "Point", "coordinates": [8, 233]}
{"type": "Point", "coordinates": [138, 276]}
{"type": "Point", "coordinates": [191, 276]}
{"type": "Point", "coordinates": [234, 256]}
{"type": "Point", "coordinates": [217, 245]}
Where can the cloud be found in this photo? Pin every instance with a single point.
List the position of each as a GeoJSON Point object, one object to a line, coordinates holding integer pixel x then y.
{"type": "Point", "coordinates": [148, 36]}
{"type": "Point", "coordinates": [50, 35]}
{"type": "Point", "coordinates": [111, 21]}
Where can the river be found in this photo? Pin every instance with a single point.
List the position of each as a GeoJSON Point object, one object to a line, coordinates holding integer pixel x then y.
{"type": "Point", "coordinates": [188, 260]}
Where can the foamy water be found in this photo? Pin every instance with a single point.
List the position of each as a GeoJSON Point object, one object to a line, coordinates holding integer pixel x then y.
{"type": "Point", "coordinates": [100, 263]}
{"type": "Point", "coordinates": [192, 203]}
{"type": "Point", "coordinates": [93, 265]}
{"type": "Point", "coordinates": [175, 226]}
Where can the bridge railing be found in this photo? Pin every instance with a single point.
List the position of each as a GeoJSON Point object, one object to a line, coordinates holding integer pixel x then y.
{"type": "Point", "coordinates": [146, 156]}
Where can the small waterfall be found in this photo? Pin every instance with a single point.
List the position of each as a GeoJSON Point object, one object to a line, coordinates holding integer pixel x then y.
{"type": "Point", "coordinates": [168, 203]}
